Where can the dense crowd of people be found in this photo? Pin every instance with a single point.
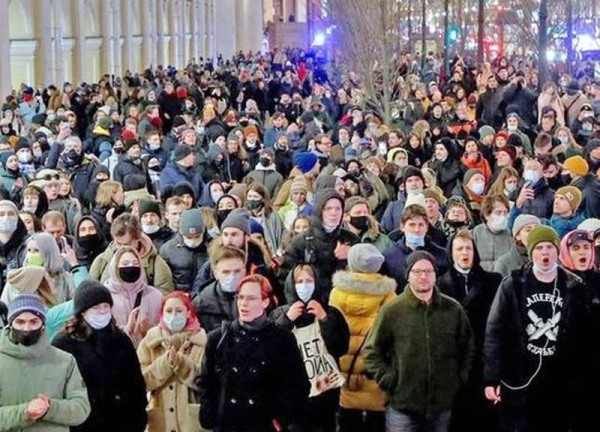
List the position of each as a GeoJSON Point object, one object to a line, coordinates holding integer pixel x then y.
{"type": "Point", "coordinates": [249, 246]}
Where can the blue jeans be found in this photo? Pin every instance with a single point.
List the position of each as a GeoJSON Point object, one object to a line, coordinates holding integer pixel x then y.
{"type": "Point", "coordinates": [399, 421]}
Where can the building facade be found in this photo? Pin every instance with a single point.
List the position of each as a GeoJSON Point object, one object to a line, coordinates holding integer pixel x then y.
{"type": "Point", "coordinates": [53, 41]}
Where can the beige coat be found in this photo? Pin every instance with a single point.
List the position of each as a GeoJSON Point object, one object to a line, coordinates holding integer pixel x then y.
{"type": "Point", "coordinates": [171, 387]}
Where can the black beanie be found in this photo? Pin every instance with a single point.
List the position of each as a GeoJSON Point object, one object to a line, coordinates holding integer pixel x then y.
{"type": "Point", "coordinates": [415, 257]}
{"type": "Point", "coordinates": [89, 294]}
{"type": "Point", "coordinates": [148, 206]}
{"type": "Point", "coordinates": [411, 171]}
{"type": "Point", "coordinates": [181, 152]}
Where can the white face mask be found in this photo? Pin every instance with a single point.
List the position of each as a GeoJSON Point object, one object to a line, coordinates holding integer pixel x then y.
{"type": "Point", "coordinates": [150, 229]}
{"type": "Point", "coordinates": [216, 195]}
{"type": "Point", "coordinates": [499, 223]}
{"type": "Point", "coordinates": [305, 291]}
{"type": "Point", "coordinates": [154, 146]}
{"type": "Point", "coordinates": [97, 321]}
{"type": "Point", "coordinates": [511, 128]}
{"type": "Point", "coordinates": [478, 188]}
{"type": "Point", "coordinates": [531, 176]}
{"type": "Point", "coordinates": [230, 283]}
{"type": "Point", "coordinates": [8, 225]}
{"type": "Point", "coordinates": [192, 244]}
{"type": "Point", "coordinates": [510, 188]}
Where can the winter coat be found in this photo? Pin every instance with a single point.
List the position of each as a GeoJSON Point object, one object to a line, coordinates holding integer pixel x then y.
{"type": "Point", "coordinates": [475, 292]}
{"type": "Point", "coordinates": [448, 173]}
{"type": "Point", "coordinates": [213, 130]}
{"type": "Point", "coordinates": [80, 175]}
{"type": "Point", "coordinates": [7, 182]}
{"type": "Point", "coordinates": [395, 259]}
{"type": "Point", "coordinates": [268, 177]}
{"type": "Point", "coordinates": [156, 270]}
{"type": "Point", "coordinates": [524, 100]}
{"type": "Point", "coordinates": [542, 203]}
{"type": "Point", "coordinates": [49, 371]}
{"type": "Point", "coordinates": [572, 104]}
{"type": "Point", "coordinates": [321, 409]}
{"type": "Point", "coordinates": [421, 364]}
{"type": "Point", "coordinates": [555, 103]}
{"type": "Point", "coordinates": [480, 164]}
{"type": "Point", "coordinates": [214, 306]}
{"type": "Point", "coordinates": [290, 211]}
{"type": "Point", "coordinates": [491, 246]}
{"type": "Point", "coordinates": [488, 108]}
{"type": "Point", "coordinates": [127, 167]}
{"type": "Point", "coordinates": [390, 221]}
{"type": "Point", "coordinates": [175, 173]}
{"type": "Point", "coordinates": [173, 406]}
{"type": "Point", "coordinates": [360, 297]}
{"type": "Point", "coordinates": [373, 236]}
{"type": "Point", "coordinates": [274, 229]}
{"type": "Point", "coordinates": [12, 253]}
{"type": "Point", "coordinates": [249, 378]}
{"type": "Point", "coordinates": [160, 237]}
{"type": "Point", "coordinates": [514, 259]}
{"type": "Point", "coordinates": [183, 261]}
{"type": "Point", "coordinates": [86, 255]}
{"type": "Point", "coordinates": [111, 372]}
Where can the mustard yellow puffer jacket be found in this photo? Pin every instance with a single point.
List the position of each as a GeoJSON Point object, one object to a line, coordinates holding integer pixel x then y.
{"type": "Point", "coordinates": [360, 296]}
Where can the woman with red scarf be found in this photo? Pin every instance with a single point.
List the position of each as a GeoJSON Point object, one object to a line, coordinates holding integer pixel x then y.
{"type": "Point", "coordinates": [170, 356]}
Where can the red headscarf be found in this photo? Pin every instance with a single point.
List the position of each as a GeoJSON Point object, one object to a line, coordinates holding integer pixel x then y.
{"type": "Point", "coordinates": [193, 324]}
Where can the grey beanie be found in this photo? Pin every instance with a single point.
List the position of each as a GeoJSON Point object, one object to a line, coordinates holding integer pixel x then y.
{"type": "Point", "coordinates": [238, 218]}
{"type": "Point", "coordinates": [522, 220]}
{"type": "Point", "coordinates": [191, 222]}
{"type": "Point", "coordinates": [415, 257]}
{"type": "Point", "coordinates": [364, 258]}
{"type": "Point", "coordinates": [26, 303]}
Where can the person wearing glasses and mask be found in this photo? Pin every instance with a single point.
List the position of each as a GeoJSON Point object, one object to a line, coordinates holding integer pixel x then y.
{"type": "Point", "coordinates": [421, 364]}
{"type": "Point", "coordinates": [252, 376]}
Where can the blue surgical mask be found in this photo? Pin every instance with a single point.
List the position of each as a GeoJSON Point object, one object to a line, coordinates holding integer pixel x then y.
{"type": "Point", "coordinates": [175, 323]}
{"type": "Point", "coordinates": [230, 283]}
{"type": "Point", "coordinates": [478, 188]}
{"type": "Point", "coordinates": [305, 291]}
{"type": "Point", "coordinates": [414, 240]}
{"type": "Point", "coordinates": [97, 321]}
{"type": "Point", "coordinates": [8, 225]}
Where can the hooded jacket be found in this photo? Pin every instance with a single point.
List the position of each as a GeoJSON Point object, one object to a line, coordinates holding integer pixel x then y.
{"type": "Point", "coordinates": [156, 270]}
{"type": "Point", "coordinates": [13, 251]}
{"type": "Point", "coordinates": [268, 177]}
{"type": "Point", "coordinates": [360, 297]}
{"type": "Point", "coordinates": [475, 291]}
{"type": "Point", "coordinates": [49, 371]}
{"type": "Point", "coordinates": [316, 246]}
{"type": "Point", "coordinates": [87, 251]}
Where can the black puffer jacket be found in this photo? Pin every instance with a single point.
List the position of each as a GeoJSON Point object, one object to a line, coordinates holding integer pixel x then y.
{"type": "Point", "coordinates": [214, 306]}
{"type": "Point", "coordinates": [183, 261]}
{"type": "Point", "coordinates": [111, 370]}
{"type": "Point", "coordinates": [249, 378]}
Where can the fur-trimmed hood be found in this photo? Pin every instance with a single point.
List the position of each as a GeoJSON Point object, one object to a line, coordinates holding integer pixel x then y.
{"type": "Point", "coordinates": [364, 283]}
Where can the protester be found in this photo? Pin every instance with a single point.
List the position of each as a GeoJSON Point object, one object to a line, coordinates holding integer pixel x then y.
{"type": "Point", "coordinates": [52, 394]}
{"type": "Point", "coordinates": [170, 356]}
{"type": "Point", "coordinates": [107, 361]}
{"type": "Point", "coordinates": [252, 374]}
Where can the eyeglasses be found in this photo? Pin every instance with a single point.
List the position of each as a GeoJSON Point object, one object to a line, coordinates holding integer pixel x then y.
{"type": "Point", "coordinates": [49, 177]}
{"type": "Point", "coordinates": [242, 298]}
{"type": "Point", "coordinates": [419, 273]}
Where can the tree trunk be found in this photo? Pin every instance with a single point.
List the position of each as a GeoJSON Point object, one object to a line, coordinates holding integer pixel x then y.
{"type": "Point", "coordinates": [543, 44]}
{"type": "Point", "coordinates": [480, 30]}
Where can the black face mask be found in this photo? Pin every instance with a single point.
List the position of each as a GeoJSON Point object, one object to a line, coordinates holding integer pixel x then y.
{"type": "Point", "coordinates": [119, 150]}
{"type": "Point", "coordinates": [89, 242]}
{"type": "Point", "coordinates": [222, 215]}
{"type": "Point", "coordinates": [265, 161]}
{"type": "Point", "coordinates": [26, 338]}
{"type": "Point", "coordinates": [130, 274]}
{"type": "Point", "coordinates": [73, 158]}
{"type": "Point", "coordinates": [360, 222]}
{"type": "Point", "coordinates": [254, 204]}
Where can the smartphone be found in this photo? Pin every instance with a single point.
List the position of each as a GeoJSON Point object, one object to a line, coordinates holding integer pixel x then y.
{"type": "Point", "coordinates": [382, 148]}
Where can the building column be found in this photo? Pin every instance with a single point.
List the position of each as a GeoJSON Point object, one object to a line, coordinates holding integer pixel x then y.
{"type": "Point", "coordinates": [58, 65]}
{"type": "Point", "coordinates": [127, 14]}
{"type": "Point", "coordinates": [195, 42]}
{"type": "Point", "coordinates": [174, 25]}
{"type": "Point", "coordinates": [160, 32]}
{"type": "Point", "coordinates": [79, 51]}
{"type": "Point", "coordinates": [203, 35]}
{"type": "Point", "coordinates": [183, 52]}
{"type": "Point", "coordinates": [106, 48]}
{"type": "Point", "coordinates": [146, 33]}
{"type": "Point", "coordinates": [117, 8]}
{"type": "Point", "coordinates": [43, 33]}
{"type": "Point", "coordinates": [5, 80]}
{"type": "Point", "coordinates": [213, 28]}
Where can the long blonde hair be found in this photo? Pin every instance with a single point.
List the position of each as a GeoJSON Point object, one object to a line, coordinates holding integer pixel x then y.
{"type": "Point", "coordinates": [105, 192]}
